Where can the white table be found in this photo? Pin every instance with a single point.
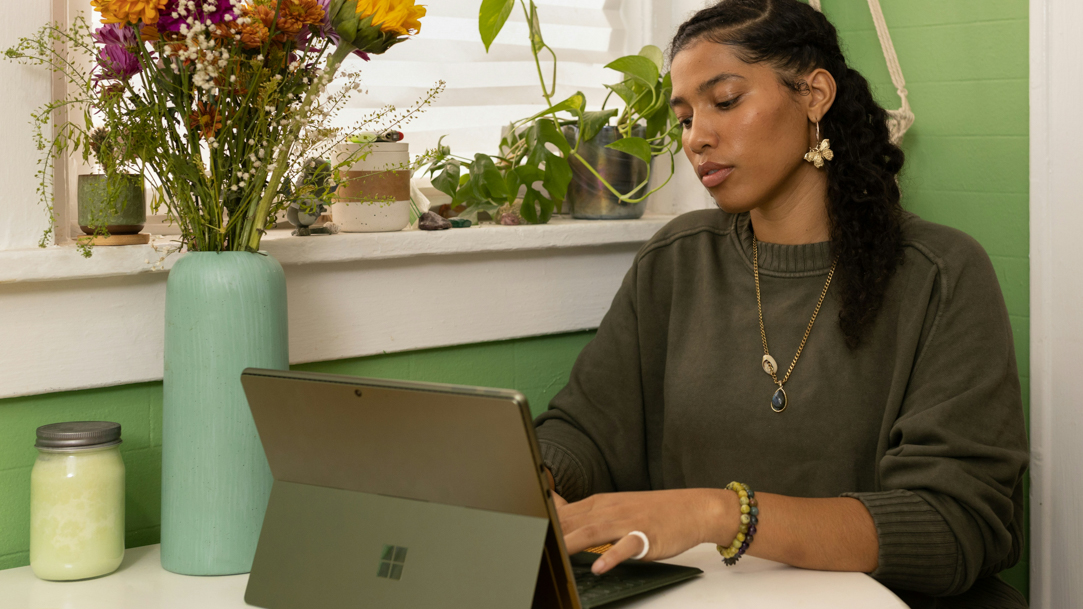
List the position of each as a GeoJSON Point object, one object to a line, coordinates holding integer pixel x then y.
{"type": "Point", "coordinates": [141, 583]}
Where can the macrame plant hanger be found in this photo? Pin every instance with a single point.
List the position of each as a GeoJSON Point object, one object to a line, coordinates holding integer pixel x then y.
{"type": "Point", "coordinates": [902, 119]}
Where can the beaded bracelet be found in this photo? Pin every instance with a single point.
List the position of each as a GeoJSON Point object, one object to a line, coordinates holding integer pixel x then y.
{"type": "Point", "coordinates": [750, 517]}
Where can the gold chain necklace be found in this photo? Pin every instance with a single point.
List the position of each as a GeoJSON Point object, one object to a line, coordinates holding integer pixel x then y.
{"type": "Point", "coordinates": [779, 399]}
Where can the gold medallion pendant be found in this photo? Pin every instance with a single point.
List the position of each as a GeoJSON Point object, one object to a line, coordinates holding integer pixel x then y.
{"type": "Point", "coordinates": [769, 365]}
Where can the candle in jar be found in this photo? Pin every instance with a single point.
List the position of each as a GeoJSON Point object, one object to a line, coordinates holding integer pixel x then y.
{"type": "Point", "coordinates": [77, 503]}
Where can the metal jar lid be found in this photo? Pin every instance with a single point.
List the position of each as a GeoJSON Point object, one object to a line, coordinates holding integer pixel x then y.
{"type": "Point", "coordinates": [78, 434]}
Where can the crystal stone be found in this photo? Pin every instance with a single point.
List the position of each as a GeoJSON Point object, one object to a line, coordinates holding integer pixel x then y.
{"type": "Point", "coordinates": [778, 400]}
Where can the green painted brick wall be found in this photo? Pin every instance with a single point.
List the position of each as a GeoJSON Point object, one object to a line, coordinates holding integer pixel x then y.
{"type": "Point", "coordinates": [966, 64]}
{"type": "Point", "coordinates": [538, 367]}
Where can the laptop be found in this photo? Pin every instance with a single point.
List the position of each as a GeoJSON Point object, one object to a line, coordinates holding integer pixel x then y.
{"type": "Point", "coordinates": [395, 494]}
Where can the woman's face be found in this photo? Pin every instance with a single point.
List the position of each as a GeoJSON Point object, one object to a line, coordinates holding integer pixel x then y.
{"type": "Point", "coordinates": [744, 131]}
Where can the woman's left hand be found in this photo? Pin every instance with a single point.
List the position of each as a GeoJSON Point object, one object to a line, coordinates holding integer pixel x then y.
{"type": "Point", "coordinates": [672, 520]}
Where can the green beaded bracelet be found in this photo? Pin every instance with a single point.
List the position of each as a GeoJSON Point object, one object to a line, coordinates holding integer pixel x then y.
{"type": "Point", "coordinates": [750, 517]}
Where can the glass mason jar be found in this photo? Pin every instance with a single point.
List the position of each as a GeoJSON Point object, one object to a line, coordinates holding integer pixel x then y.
{"type": "Point", "coordinates": [77, 501]}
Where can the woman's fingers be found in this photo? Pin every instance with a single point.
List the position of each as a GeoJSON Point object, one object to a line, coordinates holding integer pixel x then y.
{"type": "Point", "coordinates": [595, 534]}
{"type": "Point", "coordinates": [627, 547]}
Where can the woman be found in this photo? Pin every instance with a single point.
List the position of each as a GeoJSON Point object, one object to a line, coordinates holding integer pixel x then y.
{"type": "Point", "coordinates": [888, 436]}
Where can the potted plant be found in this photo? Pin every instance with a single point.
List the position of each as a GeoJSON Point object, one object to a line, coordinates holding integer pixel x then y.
{"type": "Point", "coordinates": [110, 202]}
{"type": "Point", "coordinates": [612, 163]}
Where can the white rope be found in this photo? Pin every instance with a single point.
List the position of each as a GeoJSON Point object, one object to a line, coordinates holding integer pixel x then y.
{"type": "Point", "coordinates": [902, 119]}
{"type": "Point", "coordinates": [899, 121]}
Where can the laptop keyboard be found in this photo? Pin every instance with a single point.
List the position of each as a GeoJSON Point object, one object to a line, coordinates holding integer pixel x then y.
{"type": "Point", "coordinates": [595, 589]}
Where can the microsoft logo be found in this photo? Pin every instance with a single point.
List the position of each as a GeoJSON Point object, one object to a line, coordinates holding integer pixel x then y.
{"type": "Point", "coordinates": [391, 562]}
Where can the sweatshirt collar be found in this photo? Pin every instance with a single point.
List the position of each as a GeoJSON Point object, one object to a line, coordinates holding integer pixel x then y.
{"type": "Point", "coordinates": [804, 259]}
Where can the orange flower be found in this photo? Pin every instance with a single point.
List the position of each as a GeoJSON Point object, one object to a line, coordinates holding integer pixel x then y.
{"type": "Point", "coordinates": [399, 17]}
{"type": "Point", "coordinates": [149, 33]}
{"type": "Point", "coordinates": [299, 13]}
{"type": "Point", "coordinates": [129, 11]}
{"type": "Point", "coordinates": [206, 119]}
{"type": "Point", "coordinates": [255, 32]}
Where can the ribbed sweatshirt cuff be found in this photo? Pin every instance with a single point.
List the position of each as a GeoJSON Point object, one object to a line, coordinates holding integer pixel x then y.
{"type": "Point", "coordinates": [569, 474]}
{"type": "Point", "coordinates": [918, 550]}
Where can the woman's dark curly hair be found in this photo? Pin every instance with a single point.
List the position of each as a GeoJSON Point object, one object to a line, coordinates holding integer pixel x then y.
{"type": "Point", "coordinates": [863, 193]}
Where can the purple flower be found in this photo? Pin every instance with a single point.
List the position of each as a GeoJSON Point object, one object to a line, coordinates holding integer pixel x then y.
{"type": "Point", "coordinates": [116, 35]}
{"type": "Point", "coordinates": [179, 12]}
{"type": "Point", "coordinates": [116, 62]}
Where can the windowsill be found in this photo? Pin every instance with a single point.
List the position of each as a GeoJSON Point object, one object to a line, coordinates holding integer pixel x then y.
{"type": "Point", "coordinates": [349, 295]}
{"type": "Point", "coordinates": [65, 263]}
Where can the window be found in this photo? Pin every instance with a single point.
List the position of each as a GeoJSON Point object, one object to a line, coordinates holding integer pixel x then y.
{"type": "Point", "coordinates": [484, 91]}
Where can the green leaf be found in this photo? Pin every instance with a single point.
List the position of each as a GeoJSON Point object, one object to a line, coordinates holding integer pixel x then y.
{"type": "Point", "coordinates": [471, 211]}
{"type": "Point", "coordinates": [573, 104]}
{"type": "Point", "coordinates": [512, 182]}
{"type": "Point", "coordinates": [654, 54]}
{"type": "Point", "coordinates": [592, 122]}
{"type": "Point", "coordinates": [547, 206]}
{"type": "Point", "coordinates": [448, 180]}
{"type": "Point", "coordinates": [635, 146]}
{"type": "Point", "coordinates": [491, 19]}
{"type": "Point", "coordinates": [535, 30]}
{"type": "Point", "coordinates": [528, 174]}
{"type": "Point", "coordinates": [493, 185]}
{"type": "Point", "coordinates": [536, 207]}
{"type": "Point", "coordinates": [638, 67]}
{"type": "Point", "coordinates": [658, 123]}
{"type": "Point", "coordinates": [624, 91]}
{"type": "Point", "coordinates": [548, 132]}
{"type": "Point", "coordinates": [345, 19]}
{"type": "Point", "coordinates": [646, 102]}
{"type": "Point", "coordinates": [536, 148]}
{"type": "Point", "coordinates": [558, 174]}
{"type": "Point", "coordinates": [527, 210]}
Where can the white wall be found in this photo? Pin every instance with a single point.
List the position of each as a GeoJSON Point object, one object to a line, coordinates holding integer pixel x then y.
{"type": "Point", "coordinates": [1056, 294]}
{"type": "Point", "coordinates": [24, 89]}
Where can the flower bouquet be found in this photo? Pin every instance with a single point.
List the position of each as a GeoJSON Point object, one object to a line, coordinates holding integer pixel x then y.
{"type": "Point", "coordinates": [218, 103]}
{"type": "Point", "coordinates": [210, 99]}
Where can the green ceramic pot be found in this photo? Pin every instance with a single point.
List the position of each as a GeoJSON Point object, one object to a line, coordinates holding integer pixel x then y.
{"type": "Point", "coordinates": [113, 202]}
{"type": "Point", "coordinates": [224, 312]}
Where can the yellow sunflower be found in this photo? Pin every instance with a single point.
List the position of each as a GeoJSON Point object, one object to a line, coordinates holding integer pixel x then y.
{"type": "Point", "coordinates": [129, 11]}
{"type": "Point", "coordinates": [399, 17]}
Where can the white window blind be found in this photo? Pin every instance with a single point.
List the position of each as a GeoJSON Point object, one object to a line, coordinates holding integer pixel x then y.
{"type": "Point", "coordinates": [486, 91]}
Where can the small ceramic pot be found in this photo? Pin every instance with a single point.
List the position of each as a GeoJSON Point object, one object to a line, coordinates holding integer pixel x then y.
{"type": "Point", "coordinates": [375, 193]}
{"type": "Point", "coordinates": [113, 202]}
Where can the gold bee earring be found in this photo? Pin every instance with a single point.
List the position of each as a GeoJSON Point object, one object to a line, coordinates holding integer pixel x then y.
{"type": "Point", "coordinates": [821, 152]}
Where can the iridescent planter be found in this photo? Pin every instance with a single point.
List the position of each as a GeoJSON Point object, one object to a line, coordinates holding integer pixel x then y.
{"type": "Point", "coordinates": [588, 198]}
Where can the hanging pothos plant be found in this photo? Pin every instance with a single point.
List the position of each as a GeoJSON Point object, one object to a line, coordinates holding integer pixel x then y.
{"type": "Point", "coordinates": [534, 153]}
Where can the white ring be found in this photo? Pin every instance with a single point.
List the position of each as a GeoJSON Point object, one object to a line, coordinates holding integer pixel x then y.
{"type": "Point", "coordinates": [646, 544]}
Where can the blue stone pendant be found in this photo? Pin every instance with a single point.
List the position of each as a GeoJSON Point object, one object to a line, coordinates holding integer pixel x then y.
{"type": "Point", "coordinates": [778, 400]}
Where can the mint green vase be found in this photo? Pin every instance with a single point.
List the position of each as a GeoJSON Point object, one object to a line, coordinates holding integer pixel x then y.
{"type": "Point", "coordinates": [224, 312]}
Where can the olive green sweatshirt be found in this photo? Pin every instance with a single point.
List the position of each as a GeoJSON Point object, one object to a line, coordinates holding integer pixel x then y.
{"type": "Point", "coordinates": [923, 422]}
